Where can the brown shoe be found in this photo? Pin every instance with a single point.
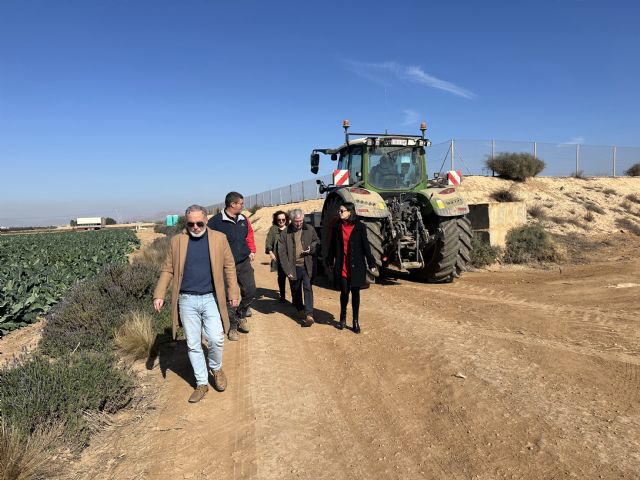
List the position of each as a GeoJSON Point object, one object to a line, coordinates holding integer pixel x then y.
{"type": "Point", "coordinates": [233, 335]}
{"type": "Point", "coordinates": [243, 325]}
{"type": "Point", "coordinates": [219, 380]}
{"type": "Point", "coordinates": [308, 321]}
{"type": "Point", "coordinates": [199, 393]}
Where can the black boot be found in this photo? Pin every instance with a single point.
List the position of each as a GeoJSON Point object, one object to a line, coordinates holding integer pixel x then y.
{"type": "Point", "coordinates": [356, 326]}
{"type": "Point", "coordinates": [343, 320]}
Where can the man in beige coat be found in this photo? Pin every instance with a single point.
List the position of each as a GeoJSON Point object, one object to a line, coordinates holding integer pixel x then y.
{"type": "Point", "coordinates": [199, 266]}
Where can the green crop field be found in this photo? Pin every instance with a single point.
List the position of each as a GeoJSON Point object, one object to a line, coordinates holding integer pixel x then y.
{"type": "Point", "coordinates": [36, 270]}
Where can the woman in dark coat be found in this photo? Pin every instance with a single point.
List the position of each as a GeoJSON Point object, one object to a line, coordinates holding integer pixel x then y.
{"type": "Point", "coordinates": [280, 222]}
{"type": "Point", "coordinates": [350, 253]}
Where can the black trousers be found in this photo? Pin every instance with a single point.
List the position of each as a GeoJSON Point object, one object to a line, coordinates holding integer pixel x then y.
{"type": "Point", "coordinates": [247, 284]}
{"type": "Point", "coordinates": [282, 281]}
{"type": "Point", "coordinates": [345, 288]}
{"type": "Point", "coordinates": [300, 284]}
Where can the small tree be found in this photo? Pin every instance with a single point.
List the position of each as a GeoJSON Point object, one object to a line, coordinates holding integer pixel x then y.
{"type": "Point", "coordinates": [110, 221]}
{"type": "Point", "coordinates": [73, 222]}
{"type": "Point", "coordinates": [515, 166]}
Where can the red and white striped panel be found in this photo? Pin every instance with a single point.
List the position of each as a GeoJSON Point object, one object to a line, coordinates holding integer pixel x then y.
{"type": "Point", "coordinates": [454, 177]}
{"type": "Point", "coordinates": [340, 177]}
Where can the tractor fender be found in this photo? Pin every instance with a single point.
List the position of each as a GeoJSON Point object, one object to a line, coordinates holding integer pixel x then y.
{"type": "Point", "coordinates": [368, 203]}
{"type": "Point", "coordinates": [445, 201]}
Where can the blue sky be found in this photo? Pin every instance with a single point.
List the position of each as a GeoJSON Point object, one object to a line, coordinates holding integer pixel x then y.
{"type": "Point", "coordinates": [131, 108]}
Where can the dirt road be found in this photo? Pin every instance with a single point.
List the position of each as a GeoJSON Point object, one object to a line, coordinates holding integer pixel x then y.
{"type": "Point", "coordinates": [519, 373]}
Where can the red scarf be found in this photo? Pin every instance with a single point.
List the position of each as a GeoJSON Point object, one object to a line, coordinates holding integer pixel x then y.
{"type": "Point", "coordinates": [347, 228]}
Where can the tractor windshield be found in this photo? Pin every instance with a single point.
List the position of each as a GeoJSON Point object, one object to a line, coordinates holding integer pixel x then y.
{"type": "Point", "coordinates": [395, 167]}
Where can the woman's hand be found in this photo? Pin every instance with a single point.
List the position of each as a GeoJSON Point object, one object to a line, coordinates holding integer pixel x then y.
{"type": "Point", "coordinates": [272, 255]}
{"type": "Point", "coordinates": [374, 271]}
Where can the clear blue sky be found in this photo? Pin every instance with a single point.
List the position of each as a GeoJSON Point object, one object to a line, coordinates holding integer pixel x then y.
{"type": "Point", "coordinates": [128, 108]}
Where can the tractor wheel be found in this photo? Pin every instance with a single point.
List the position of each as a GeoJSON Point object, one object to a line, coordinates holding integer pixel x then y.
{"type": "Point", "coordinates": [464, 253]}
{"type": "Point", "coordinates": [374, 235]}
{"type": "Point", "coordinates": [448, 257]}
{"type": "Point", "coordinates": [329, 218]}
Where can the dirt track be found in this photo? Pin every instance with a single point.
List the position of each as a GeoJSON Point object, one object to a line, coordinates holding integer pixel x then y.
{"type": "Point", "coordinates": [511, 374]}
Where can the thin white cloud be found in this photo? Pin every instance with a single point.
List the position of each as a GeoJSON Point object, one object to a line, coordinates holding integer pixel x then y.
{"type": "Point", "coordinates": [574, 141]}
{"type": "Point", "coordinates": [410, 117]}
{"type": "Point", "coordinates": [379, 73]}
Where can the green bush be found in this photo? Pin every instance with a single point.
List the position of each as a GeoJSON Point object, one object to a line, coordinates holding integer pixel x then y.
{"type": "Point", "coordinates": [633, 170]}
{"type": "Point", "coordinates": [482, 253]}
{"type": "Point", "coordinates": [87, 318]}
{"type": "Point", "coordinates": [38, 392]}
{"type": "Point", "coordinates": [515, 166]}
{"type": "Point", "coordinates": [529, 243]}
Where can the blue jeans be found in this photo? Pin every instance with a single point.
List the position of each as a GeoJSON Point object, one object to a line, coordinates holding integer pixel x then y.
{"type": "Point", "coordinates": [300, 284]}
{"type": "Point", "coordinates": [198, 313]}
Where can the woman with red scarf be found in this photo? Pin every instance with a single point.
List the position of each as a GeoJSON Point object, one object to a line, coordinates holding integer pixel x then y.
{"type": "Point", "coordinates": [350, 253]}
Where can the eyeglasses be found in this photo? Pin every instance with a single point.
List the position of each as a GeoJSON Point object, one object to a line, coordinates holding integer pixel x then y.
{"type": "Point", "coordinates": [281, 220]}
{"type": "Point", "coordinates": [193, 224]}
{"type": "Point", "coordinates": [342, 210]}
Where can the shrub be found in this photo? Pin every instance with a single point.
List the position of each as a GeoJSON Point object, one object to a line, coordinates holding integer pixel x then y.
{"type": "Point", "coordinates": [504, 195]}
{"type": "Point", "coordinates": [529, 243]}
{"type": "Point", "coordinates": [136, 336]}
{"type": "Point", "coordinates": [609, 191]}
{"type": "Point", "coordinates": [515, 166]}
{"type": "Point", "coordinates": [87, 318]}
{"type": "Point", "coordinates": [633, 197]}
{"type": "Point", "coordinates": [25, 457]}
{"type": "Point", "coordinates": [156, 253]}
{"type": "Point", "coordinates": [627, 224]}
{"type": "Point", "coordinates": [589, 216]}
{"type": "Point", "coordinates": [633, 170]}
{"type": "Point", "coordinates": [38, 392]}
{"type": "Point", "coordinates": [482, 253]}
{"type": "Point", "coordinates": [254, 208]}
{"type": "Point", "coordinates": [579, 174]}
{"type": "Point", "coordinates": [592, 207]}
{"type": "Point", "coordinates": [536, 211]}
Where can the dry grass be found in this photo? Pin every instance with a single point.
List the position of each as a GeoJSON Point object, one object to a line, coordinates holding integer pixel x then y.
{"type": "Point", "coordinates": [592, 207]}
{"type": "Point", "coordinates": [589, 217]}
{"type": "Point", "coordinates": [156, 253]}
{"type": "Point", "coordinates": [136, 337]}
{"type": "Point", "coordinates": [536, 211]}
{"type": "Point", "coordinates": [633, 197]}
{"type": "Point", "coordinates": [628, 225]}
{"type": "Point", "coordinates": [504, 195]}
{"type": "Point", "coordinates": [609, 191]}
{"type": "Point", "coordinates": [31, 457]}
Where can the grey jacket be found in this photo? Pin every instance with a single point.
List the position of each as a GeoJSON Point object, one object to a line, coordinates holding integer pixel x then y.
{"type": "Point", "coordinates": [287, 250]}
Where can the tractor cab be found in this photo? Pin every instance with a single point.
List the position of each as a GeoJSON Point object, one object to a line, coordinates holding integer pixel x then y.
{"type": "Point", "coordinates": [378, 162]}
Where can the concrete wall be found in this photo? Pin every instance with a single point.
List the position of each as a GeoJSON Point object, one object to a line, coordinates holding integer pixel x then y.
{"type": "Point", "coordinates": [491, 221]}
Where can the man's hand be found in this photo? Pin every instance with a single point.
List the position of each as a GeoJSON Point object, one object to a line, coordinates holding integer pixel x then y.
{"type": "Point", "coordinates": [234, 302]}
{"type": "Point", "coordinates": [374, 271]}
{"type": "Point", "coordinates": [306, 251]}
{"type": "Point", "coordinates": [290, 275]}
{"type": "Point", "coordinates": [158, 303]}
{"type": "Point", "coordinates": [252, 256]}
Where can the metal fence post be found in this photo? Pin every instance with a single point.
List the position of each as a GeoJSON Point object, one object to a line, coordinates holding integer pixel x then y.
{"type": "Point", "coordinates": [291, 193]}
{"type": "Point", "coordinates": [577, 158]}
{"type": "Point", "coordinates": [452, 154]}
{"type": "Point", "coordinates": [614, 160]}
{"type": "Point", "coordinates": [493, 149]}
{"type": "Point", "coordinates": [302, 187]}
{"type": "Point", "coordinates": [535, 149]}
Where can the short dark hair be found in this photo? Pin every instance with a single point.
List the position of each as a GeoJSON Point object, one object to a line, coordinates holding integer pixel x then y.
{"type": "Point", "coordinates": [280, 212]}
{"type": "Point", "coordinates": [232, 197]}
{"type": "Point", "coordinates": [352, 210]}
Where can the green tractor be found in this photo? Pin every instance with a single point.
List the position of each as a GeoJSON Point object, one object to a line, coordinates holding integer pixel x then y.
{"type": "Point", "coordinates": [414, 225]}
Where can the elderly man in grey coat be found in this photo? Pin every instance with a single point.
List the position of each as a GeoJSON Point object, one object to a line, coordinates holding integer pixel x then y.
{"type": "Point", "coordinates": [297, 247]}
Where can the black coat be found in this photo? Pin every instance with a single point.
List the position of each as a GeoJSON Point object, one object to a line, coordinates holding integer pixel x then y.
{"type": "Point", "coordinates": [359, 254]}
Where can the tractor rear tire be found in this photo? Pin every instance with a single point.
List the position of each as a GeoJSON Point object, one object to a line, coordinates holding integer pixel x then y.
{"type": "Point", "coordinates": [374, 235]}
{"type": "Point", "coordinates": [448, 257]}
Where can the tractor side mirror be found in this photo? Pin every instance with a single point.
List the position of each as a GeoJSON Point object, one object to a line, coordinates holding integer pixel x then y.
{"type": "Point", "coordinates": [334, 156]}
{"type": "Point", "coordinates": [315, 162]}
{"type": "Point", "coordinates": [321, 186]}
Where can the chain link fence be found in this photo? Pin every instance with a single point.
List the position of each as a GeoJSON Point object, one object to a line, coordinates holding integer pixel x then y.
{"type": "Point", "coordinates": [470, 156]}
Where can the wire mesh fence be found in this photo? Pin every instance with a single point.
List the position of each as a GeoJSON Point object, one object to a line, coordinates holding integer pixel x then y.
{"type": "Point", "coordinates": [470, 157]}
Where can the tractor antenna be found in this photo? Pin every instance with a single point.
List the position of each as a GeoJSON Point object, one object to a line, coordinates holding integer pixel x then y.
{"type": "Point", "coordinates": [345, 125]}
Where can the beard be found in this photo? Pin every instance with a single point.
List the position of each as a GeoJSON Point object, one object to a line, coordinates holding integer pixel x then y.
{"type": "Point", "coordinates": [197, 235]}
